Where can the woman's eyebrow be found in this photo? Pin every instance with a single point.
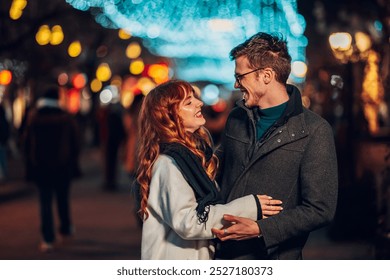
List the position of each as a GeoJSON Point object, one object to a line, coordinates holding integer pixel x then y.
{"type": "Point", "coordinates": [188, 97]}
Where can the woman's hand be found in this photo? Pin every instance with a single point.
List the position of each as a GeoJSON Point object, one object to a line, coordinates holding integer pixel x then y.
{"type": "Point", "coordinates": [269, 206]}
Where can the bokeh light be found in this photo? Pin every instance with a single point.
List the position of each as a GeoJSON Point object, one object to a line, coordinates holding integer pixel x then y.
{"type": "Point", "coordinates": [103, 72]}
{"type": "Point", "coordinates": [57, 35]}
{"type": "Point", "coordinates": [79, 80]}
{"type": "Point", "coordinates": [63, 79]}
{"type": "Point", "coordinates": [96, 85]}
{"type": "Point", "coordinates": [74, 49]}
{"type": "Point", "coordinates": [123, 34]}
{"type": "Point", "coordinates": [133, 50]}
{"type": "Point", "coordinates": [5, 77]}
{"type": "Point", "coordinates": [43, 35]}
{"type": "Point", "coordinates": [137, 67]}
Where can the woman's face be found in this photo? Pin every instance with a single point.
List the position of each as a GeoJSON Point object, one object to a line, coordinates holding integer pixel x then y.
{"type": "Point", "coordinates": [190, 112]}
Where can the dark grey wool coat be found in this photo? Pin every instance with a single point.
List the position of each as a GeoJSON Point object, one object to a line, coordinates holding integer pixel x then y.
{"type": "Point", "coordinates": [295, 162]}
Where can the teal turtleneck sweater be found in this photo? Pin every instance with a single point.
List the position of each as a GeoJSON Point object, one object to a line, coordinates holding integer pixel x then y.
{"type": "Point", "coordinates": [267, 117]}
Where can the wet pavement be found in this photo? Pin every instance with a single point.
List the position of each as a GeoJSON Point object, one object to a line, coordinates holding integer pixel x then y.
{"type": "Point", "coordinates": [106, 227]}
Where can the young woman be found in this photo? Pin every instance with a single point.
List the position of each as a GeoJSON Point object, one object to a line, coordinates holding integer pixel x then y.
{"type": "Point", "coordinates": [180, 201]}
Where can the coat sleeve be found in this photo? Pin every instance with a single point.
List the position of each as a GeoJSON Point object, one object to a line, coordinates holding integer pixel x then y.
{"type": "Point", "coordinates": [319, 186]}
{"type": "Point", "coordinates": [173, 201]}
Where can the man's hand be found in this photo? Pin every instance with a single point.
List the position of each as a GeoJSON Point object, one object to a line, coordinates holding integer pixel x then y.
{"type": "Point", "coordinates": [241, 229]}
{"type": "Point", "coordinates": [269, 206]}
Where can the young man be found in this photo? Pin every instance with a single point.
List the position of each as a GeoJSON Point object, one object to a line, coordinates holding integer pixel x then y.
{"type": "Point", "coordinates": [275, 146]}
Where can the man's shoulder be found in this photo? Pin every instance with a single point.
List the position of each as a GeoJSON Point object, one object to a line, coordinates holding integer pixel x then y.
{"type": "Point", "coordinates": [238, 112]}
{"type": "Point", "coordinates": [314, 120]}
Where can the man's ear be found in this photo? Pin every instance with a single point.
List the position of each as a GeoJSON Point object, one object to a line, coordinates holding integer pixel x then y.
{"type": "Point", "coordinates": [268, 76]}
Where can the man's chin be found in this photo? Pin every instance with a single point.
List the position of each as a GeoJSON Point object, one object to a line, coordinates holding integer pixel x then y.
{"type": "Point", "coordinates": [248, 105]}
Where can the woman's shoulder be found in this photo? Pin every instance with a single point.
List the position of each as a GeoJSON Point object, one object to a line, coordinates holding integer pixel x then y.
{"type": "Point", "coordinates": [164, 159]}
{"type": "Point", "coordinates": [164, 163]}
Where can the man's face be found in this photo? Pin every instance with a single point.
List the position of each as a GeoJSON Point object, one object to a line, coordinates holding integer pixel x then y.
{"type": "Point", "coordinates": [249, 81]}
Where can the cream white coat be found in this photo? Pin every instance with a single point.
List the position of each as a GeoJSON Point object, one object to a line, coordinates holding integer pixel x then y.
{"type": "Point", "coordinates": [172, 230]}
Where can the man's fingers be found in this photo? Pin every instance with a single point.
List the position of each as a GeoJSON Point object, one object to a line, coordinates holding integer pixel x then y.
{"type": "Point", "coordinates": [273, 208]}
{"type": "Point", "coordinates": [275, 202]}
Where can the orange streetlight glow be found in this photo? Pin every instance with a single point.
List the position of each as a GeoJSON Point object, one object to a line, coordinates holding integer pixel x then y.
{"type": "Point", "coordinates": [5, 77]}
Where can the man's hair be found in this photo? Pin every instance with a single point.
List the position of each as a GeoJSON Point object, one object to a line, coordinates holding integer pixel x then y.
{"type": "Point", "coordinates": [266, 50]}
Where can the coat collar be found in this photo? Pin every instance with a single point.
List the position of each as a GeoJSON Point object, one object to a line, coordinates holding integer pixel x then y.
{"type": "Point", "coordinates": [294, 106]}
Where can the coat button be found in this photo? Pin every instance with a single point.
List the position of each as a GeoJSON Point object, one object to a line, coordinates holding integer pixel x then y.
{"type": "Point", "coordinates": [280, 131]}
{"type": "Point", "coordinates": [293, 135]}
{"type": "Point", "coordinates": [278, 140]}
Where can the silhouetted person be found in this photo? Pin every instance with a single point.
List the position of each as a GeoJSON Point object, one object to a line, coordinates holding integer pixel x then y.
{"type": "Point", "coordinates": [4, 135]}
{"type": "Point", "coordinates": [52, 149]}
{"type": "Point", "coordinates": [112, 136]}
{"type": "Point", "coordinates": [130, 122]}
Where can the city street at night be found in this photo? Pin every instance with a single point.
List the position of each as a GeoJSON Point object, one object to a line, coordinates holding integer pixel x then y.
{"type": "Point", "coordinates": [96, 91]}
{"type": "Point", "coordinates": [106, 227]}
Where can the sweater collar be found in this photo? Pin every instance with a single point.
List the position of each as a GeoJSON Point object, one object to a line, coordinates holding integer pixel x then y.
{"type": "Point", "coordinates": [294, 106]}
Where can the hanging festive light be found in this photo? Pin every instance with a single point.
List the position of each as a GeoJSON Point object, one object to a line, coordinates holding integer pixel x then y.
{"type": "Point", "coordinates": [204, 31]}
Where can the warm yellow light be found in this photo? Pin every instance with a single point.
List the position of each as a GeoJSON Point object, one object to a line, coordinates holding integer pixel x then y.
{"type": "Point", "coordinates": [57, 35]}
{"type": "Point", "coordinates": [96, 85]}
{"type": "Point", "coordinates": [363, 41]}
{"type": "Point", "coordinates": [299, 69]}
{"type": "Point", "coordinates": [137, 67]}
{"type": "Point", "coordinates": [16, 10]}
{"type": "Point", "coordinates": [133, 50]}
{"type": "Point", "coordinates": [123, 34]}
{"type": "Point", "coordinates": [103, 72]}
{"type": "Point", "coordinates": [18, 109]}
{"type": "Point", "coordinates": [15, 13]}
{"type": "Point", "coordinates": [373, 91]}
{"type": "Point", "coordinates": [145, 85]}
{"type": "Point", "coordinates": [340, 41]}
{"type": "Point", "coordinates": [127, 98]}
{"type": "Point", "coordinates": [19, 4]}
{"type": "Point", "coordinates": [74, 49]}
{"type": "Point", "coordinates": [43, 35]}
{"type": "Point", "coordinates": [116, 81]}
{"type": "Point", "coordinates": [159, 73]}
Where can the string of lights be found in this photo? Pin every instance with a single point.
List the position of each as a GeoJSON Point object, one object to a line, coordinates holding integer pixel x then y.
{"type": "Point", "coordinates": [202, 30]}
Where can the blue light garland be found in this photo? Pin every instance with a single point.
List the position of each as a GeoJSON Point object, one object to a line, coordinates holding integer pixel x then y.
{"type": "Point", "coordinates": [198, 34]}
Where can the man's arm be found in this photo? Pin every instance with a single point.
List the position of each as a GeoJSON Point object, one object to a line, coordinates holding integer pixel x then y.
{"type": "Point", "coordinates": [318, 192]}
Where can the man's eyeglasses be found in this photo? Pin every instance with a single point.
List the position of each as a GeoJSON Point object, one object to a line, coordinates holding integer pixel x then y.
{"type": "Point", "coordinates": [239, 77]}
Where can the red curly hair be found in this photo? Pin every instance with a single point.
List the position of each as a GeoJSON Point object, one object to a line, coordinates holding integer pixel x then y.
{"type": "Point", "coordinates": [159, 122]}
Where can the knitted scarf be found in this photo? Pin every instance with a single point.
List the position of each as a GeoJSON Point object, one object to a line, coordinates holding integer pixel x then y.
{"type": "Point", "coordinates": [206, 192]}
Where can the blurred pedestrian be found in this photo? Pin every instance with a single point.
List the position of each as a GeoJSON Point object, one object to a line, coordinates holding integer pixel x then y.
{"type": "Point", "coordinates": [112, 136]}
{"type": "Point", "coordinates": [130, 124]}
{"type": "Point", "coordinates": [4, 136]}
{"type": "Point", "coordinates": [51, 146]}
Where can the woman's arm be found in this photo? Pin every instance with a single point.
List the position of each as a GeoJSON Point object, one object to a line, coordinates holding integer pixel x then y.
{"type": "Point", "coordinates": [173, 200]}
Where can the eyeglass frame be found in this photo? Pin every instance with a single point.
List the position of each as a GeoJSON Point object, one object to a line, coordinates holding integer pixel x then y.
{"type": "Point", "coordinates": [238, 77]}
